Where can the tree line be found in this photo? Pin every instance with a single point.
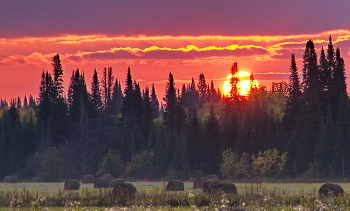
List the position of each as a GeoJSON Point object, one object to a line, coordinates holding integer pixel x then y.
{"type": "Point", "coordinates": [128, 132]}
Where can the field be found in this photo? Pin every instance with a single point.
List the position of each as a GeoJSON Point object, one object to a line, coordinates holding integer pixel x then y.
{"type": "Point", "coordinates": [152, 196]}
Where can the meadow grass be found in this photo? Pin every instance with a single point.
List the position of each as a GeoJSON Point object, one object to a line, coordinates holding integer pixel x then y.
{"type": "Point", "coordinates": [152, 196]}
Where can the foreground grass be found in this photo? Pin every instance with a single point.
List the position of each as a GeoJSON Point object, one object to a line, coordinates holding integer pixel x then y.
{"type": "Point", "coordinates": [152, 196]}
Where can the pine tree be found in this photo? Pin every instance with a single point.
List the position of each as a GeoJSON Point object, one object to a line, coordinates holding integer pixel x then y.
{"type": "Point", "coordinates": [25, 102]}
{"type": "Point", "coordinates": [293, 104]}
{"type": "Point", "coordinates": [202, 89]}
{"type": "Point", "coordinates": [194, 142]}
{"type": "Point", "coordinates": [234, 95]}
{"type": "Point", "coordinates": [147, 113]}
{"type": "Point", "coordinates": [114, 106]}
{"type": "Point", "coordinates": [154, 103]}
{"type": "Point", "coordinates": [311, 76]}
{"type": "Point", "coordinates": [58, 74]}
{"type": "Point", "coordinates": [211, 147]}
{"type": "Point", "coordinates": [96, 99]}
{"type": "Point", "coordinates": [107, 86]}
{"type": "Point", "coordinates": [325, 80]}
{"type": "Point", "coordinates": [171, 103]}
{"type": "Point", "coordinates": [339, 83]}
{"type": "Point", "coordinates": [19, 102]}
{"type": "Point", "coordinates": [127, 108]}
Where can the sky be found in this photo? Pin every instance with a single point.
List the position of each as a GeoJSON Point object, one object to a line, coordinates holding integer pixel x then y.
{"type": "Point", "coordinates": [155, 37]}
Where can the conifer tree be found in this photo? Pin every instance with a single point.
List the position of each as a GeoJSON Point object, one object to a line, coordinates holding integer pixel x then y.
{"type": "Point", "coordinates": [96, 99]}
{"type": "Point", "coordinates": [194, 142]}
{"type": "Point", "coordinates": [171, 103]}
{"type": "Point", "coordinates": [234, 95]}
{"type": "Point", "coordinates": [19, 102]}
{"type": "Point", "coordinates": [58, 74]}
{"type": "Point", "coordinates": [211, 147]}
{"type": "Point", "coordinates": [311, 76]}
{"type": "Point", "coordinates": [339, 83]}
{"type": "Point", "coordinates": [293, 104]}
{"type": "Point", "coordinates": [202, 89]}
{"type": "Point", "coordinates": [154, 103]}
{"type": "Point", "coordinates": [128, 100]}
{"type": "Point", "coordinates": [25, 102]}
{"type": "Point", "coordinates": [147, 113]}
{"type": "Point", "coordinates": [107, 86]}
{"type": "Point", "coordinates": [325, 80]}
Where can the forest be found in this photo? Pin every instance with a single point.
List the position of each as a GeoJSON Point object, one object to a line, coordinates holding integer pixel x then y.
{"type": "Point", "coordinates": [120, 128]}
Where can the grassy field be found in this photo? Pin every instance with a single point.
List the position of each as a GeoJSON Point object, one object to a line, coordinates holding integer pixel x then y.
{"type": "Point", "coordinates": [152, 196]}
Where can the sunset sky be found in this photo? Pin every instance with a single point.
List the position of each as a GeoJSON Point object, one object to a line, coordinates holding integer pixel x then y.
{"type": "Point", "coordinates": [156, 37]}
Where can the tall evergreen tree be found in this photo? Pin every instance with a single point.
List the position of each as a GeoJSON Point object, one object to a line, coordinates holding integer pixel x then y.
{"type": "Point", "coordinates": [171, 103]}
{"type": "Point", "coordinates": [96, 99]}
{"type": "Point", "coordinates": [311, 75]}
{"type": "Point", "coordinates": [58, 74]}
{"type": "Point", "coordinates": [114, 106]}
{"type": "Point", "coordinates": [293, 104]}
{"type": "Point", "coordinates": [107, 86]}
{"type": "Point", "coordinates": [154, 103]}
{"type": "Point", "coordinates": [234, 94]}
{"type": "Point", "coordinates": [128, 100]}
{"type": "Point", "coordinates": [211, 147]}
{"type": "Point", "coordinates": [202, 89]}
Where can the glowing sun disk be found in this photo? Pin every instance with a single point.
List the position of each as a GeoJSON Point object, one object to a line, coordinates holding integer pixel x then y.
{"type": "Point", "coordinates": [243, 86]}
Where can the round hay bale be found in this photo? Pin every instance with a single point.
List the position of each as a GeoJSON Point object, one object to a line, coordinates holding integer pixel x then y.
{"type": "Point", "coordinates": [124, 191]}
{"type": "Point", "coordinates": [113, 182]}
{"type": "Point", "coordinates": [72, 184]}
{"type": "Point", "coordinates": [226, 188]}
{"type": "Point", "coordinates": [209, 185]}
{"type": "Point", "coordinates": [213, 177]}
{"type": "Point", "coordinates": [330, 190]}
{"type": "Point", "coordinates": [198, 183]}
{"type": "Point", "coordinates": [108, 176]}
{"type": "Point", "coordinates": [88, 179]}
{"type": "Point", "coordinates": [175, 185]}
{"type": "Point", "coordinates": [101, 182]}
{"type": "Point", "coordinates": [37, 180]}
{"type": "Point", "coordinates": [10, 179]}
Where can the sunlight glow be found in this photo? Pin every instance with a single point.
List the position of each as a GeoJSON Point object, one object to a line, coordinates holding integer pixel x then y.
{"type": "Point", "coordinates": [244, 83]}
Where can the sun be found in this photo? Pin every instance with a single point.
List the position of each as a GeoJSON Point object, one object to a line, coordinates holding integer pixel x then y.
{"type": "Point", "coordinates": [244, 84]}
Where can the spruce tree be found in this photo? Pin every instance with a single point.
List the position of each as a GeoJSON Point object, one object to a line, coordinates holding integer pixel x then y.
{"type": "Point", "coordinates": [294, 101]}
{"type": "Point", "coordinates": [107, 86]}
{"type": "Point", "coordinates": [96, 99]}
{"type": "Point", "coordinates": [211, 147]}
{"type": "Point", "coordinates": [202, 89]}
{"type": "Point", "coordinates": [170, 104]}
{"type": "Point", "coordinates": [58, 74]}
{"type": "Point", "coordinates": [154, 103]}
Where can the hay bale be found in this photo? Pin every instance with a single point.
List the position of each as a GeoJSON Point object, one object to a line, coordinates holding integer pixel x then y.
{"type": "Point", "coordinates": [101, 182]}
{"type": "Point", "coordinates": [37, 180]}
{"type": "Point", "coordinates": [226, 188]}
{"type": "Point", "coordinates": [175, 185]}
{"type": "Point", "coordinates": [330, 190]}
{"type": "Point", "coordinates": [198, 183]}
{"type": "Point", "coordinates": [124, 191]}
{"type": "Point", "coordinates": [113, 182]}
{"type": "Point", "coordinates": [88, 179]}
{"type": "Point", "coordinates": [213, 177]}
{"type": "Point", "coordinates": [10, 179]}
{"type": "Point", "coordinates": [209, 185]}
{"type": "Point", "coordinates": [108, 176]}
{"type": "Point", "coordinates": [72, 184]}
